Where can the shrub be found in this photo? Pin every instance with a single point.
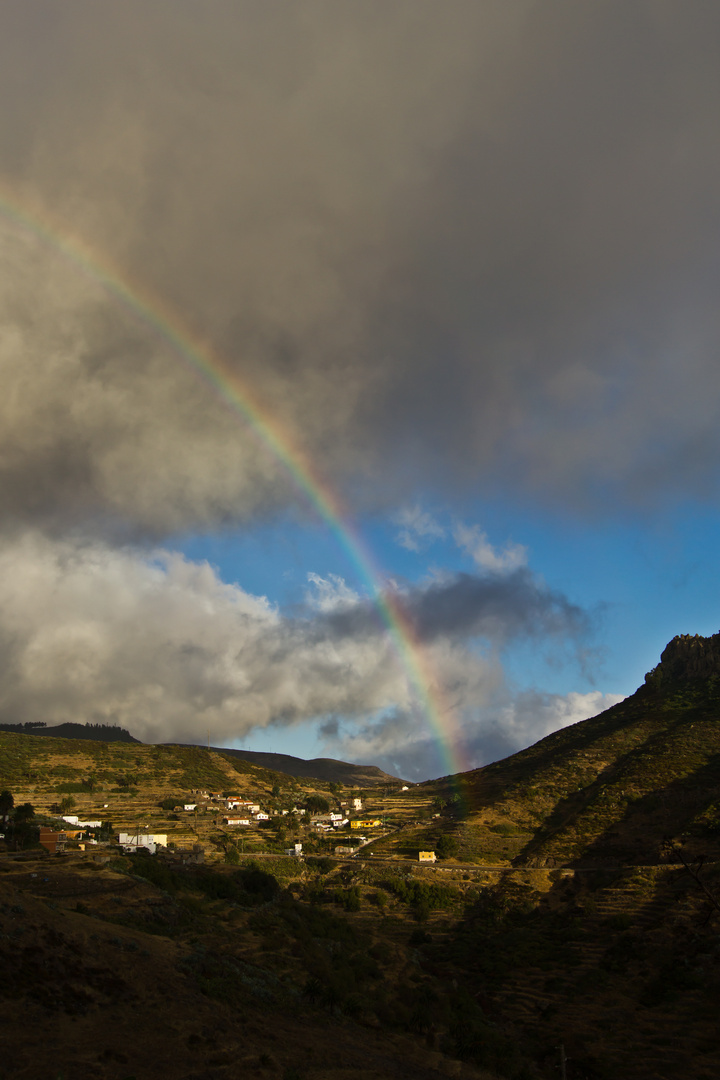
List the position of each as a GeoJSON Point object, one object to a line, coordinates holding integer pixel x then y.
{"type": "Point", "coordinates": [171, 802]}
{"type": "Point", "coordinates": [321, 863]}
{"type": "Point", "coordinates": [348, 898]}
{"type": "Point", "coordinates": [446, 847]}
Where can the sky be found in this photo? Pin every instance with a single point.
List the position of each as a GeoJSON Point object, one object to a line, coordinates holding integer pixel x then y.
{"type": "Point", "coordinates": [360, 367]}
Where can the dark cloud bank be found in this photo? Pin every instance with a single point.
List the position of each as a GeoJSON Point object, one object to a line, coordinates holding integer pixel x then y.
{"type": "Point", "coordinates": [477, 240]}
{"type": "Point", "coordinates": [462, 246]}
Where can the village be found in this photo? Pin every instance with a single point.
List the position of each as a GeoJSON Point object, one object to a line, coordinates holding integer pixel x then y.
{"type": "Point", "coordinates": [337, 831]}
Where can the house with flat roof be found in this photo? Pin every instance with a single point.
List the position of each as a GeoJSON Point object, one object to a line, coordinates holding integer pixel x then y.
{"type": "Point", "coordinates": [131, 842]}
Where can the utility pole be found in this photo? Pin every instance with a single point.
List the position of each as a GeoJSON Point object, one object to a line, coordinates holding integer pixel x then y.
{"type": "Point", "coordinates": [563, 1062]}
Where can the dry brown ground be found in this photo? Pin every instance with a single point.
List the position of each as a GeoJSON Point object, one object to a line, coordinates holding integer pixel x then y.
{"type": "Point", "coordinates": [85, 999]}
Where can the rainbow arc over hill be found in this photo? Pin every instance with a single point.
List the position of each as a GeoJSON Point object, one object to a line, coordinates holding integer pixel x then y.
{"type": "Point", "coordinates": [167, 324]}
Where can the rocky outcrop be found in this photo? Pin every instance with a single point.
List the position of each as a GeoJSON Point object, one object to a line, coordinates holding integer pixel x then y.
{"type": "Point", "coordinates": [687, 656]}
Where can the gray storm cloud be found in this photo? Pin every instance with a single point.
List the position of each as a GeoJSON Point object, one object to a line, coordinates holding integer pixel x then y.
{"type": "Point", "coordinates": [477, 241]}
{"type": "Point", "coordinates": [450, 249]}
{"type": "Point", "coordinates": [462, 606]}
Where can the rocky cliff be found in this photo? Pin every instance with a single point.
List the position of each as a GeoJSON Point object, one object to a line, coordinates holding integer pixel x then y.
{"type": "Point", "coordinates": [687, 656]}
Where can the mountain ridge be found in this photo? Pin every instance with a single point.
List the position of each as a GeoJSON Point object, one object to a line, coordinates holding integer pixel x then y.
{"type": "Point", "coordinates": [329, 770]}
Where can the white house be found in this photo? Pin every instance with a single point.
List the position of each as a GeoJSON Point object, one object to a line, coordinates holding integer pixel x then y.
{"type": "Point", "coordinates": [190, 806]}
{"type": "Point", "coordinates": [236, 821]}
{"type": "Point", "coordinates": [261, 816]}
{"type": "Point", "coordinates": [130, 842]}
{"type": "Point", "coordinates": [296, 850]}
{"type": "Point", "coordinates": [356, 804]}
{"type": "Point", "coordinates": [72, 819]}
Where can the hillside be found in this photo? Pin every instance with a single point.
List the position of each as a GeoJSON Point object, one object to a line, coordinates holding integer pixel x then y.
{"type": "Point", "coordinates": [327, 769]}
{"type": "Point", "coordinates": [622, 788]}
{"type": "Point", "coordinates": [101, 732]}
{"type": "Point", "coordinates": [576, 904]}
{"type": "Point", "coordinates": [601, 930]}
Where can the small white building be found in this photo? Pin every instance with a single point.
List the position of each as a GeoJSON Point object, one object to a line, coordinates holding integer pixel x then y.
{"type": "Point", "coordinates": [130, 842]}
{"type": "Point", "coordinates": [72, 819]}
{"type": "Point", "coordinates": [261, 816]}
{"type": "Point", "coordinates": [190, 806]}
{"type": "Point", "coordinates": [236, 821]}
{"type": "Point", "coordinates": [356, 804]}
{"type": "Point", "coordinates": [426, 856]}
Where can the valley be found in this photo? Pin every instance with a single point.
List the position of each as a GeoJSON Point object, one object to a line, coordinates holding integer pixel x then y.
{"type": "Point", "coordinates": [574, 903]}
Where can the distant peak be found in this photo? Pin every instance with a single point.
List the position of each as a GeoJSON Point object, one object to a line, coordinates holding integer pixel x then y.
{"type": "Point", "coordinates": [687, 656]}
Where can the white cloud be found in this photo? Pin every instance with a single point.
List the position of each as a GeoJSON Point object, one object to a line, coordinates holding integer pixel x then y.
{"type": "Point", "coordinates": [486, 557]}
{"type": "Point", "coordinates": [330, 593]}
{"type": "Point", "coordinates": [488, 722]}
{"type": "Point", "coordinates": [418, 528]}
{"type": "Point", "coordinates": [531, 715]}
{"type": "Point", "coordinates": [162, 646]}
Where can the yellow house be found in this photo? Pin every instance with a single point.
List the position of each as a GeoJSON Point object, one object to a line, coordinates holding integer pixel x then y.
{"type": "Point", "coordinates": [426, 856]}
{"type": "Point", "coordinates": [369, 823]}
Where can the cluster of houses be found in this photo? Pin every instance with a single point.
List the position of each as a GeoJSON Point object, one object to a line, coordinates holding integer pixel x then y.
{"type": "Point", "coordinates": [54, 840]}
{"type": "Point", "coordinates": [237, 812]}
{"type": "Point", "coordinates": [240, 811]}
{"type": "Point", "coordinates": [244, 812]}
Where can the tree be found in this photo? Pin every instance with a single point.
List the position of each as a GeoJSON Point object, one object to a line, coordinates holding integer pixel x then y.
{"type": "Point", "coordinates": [66, 804]}
{"type": "Point", "coordinates": [21, 828]}
{"type": "Point", "coordinates": [446, 847]}
{"type": "Point", "coordinates": [170, 803]}
{"type": "Point", "coordinates": [317, 803]}
{"type": "Point", "coordinates": [277, 825]}
{"type": "Point", "coordinates": [6, 804]}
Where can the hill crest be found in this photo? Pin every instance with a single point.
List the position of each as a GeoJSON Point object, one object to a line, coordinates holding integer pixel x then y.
{"type": "Point", "coordinates": [328, 770]}
{"type": "Point", "coordinates": [687, 656]}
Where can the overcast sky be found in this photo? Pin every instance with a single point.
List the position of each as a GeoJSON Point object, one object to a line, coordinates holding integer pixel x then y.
{"type": "Point", "coordinates": [466, 256]}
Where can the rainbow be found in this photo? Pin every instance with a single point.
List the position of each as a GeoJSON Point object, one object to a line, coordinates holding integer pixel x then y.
{"type": "Point", "coordinates": [169, 326]}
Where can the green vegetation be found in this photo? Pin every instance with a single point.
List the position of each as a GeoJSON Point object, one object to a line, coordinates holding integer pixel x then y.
{"type": "Point", "coordinates": [446, 846]}
{"type": "Point", "coordinates": [317, 804]}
